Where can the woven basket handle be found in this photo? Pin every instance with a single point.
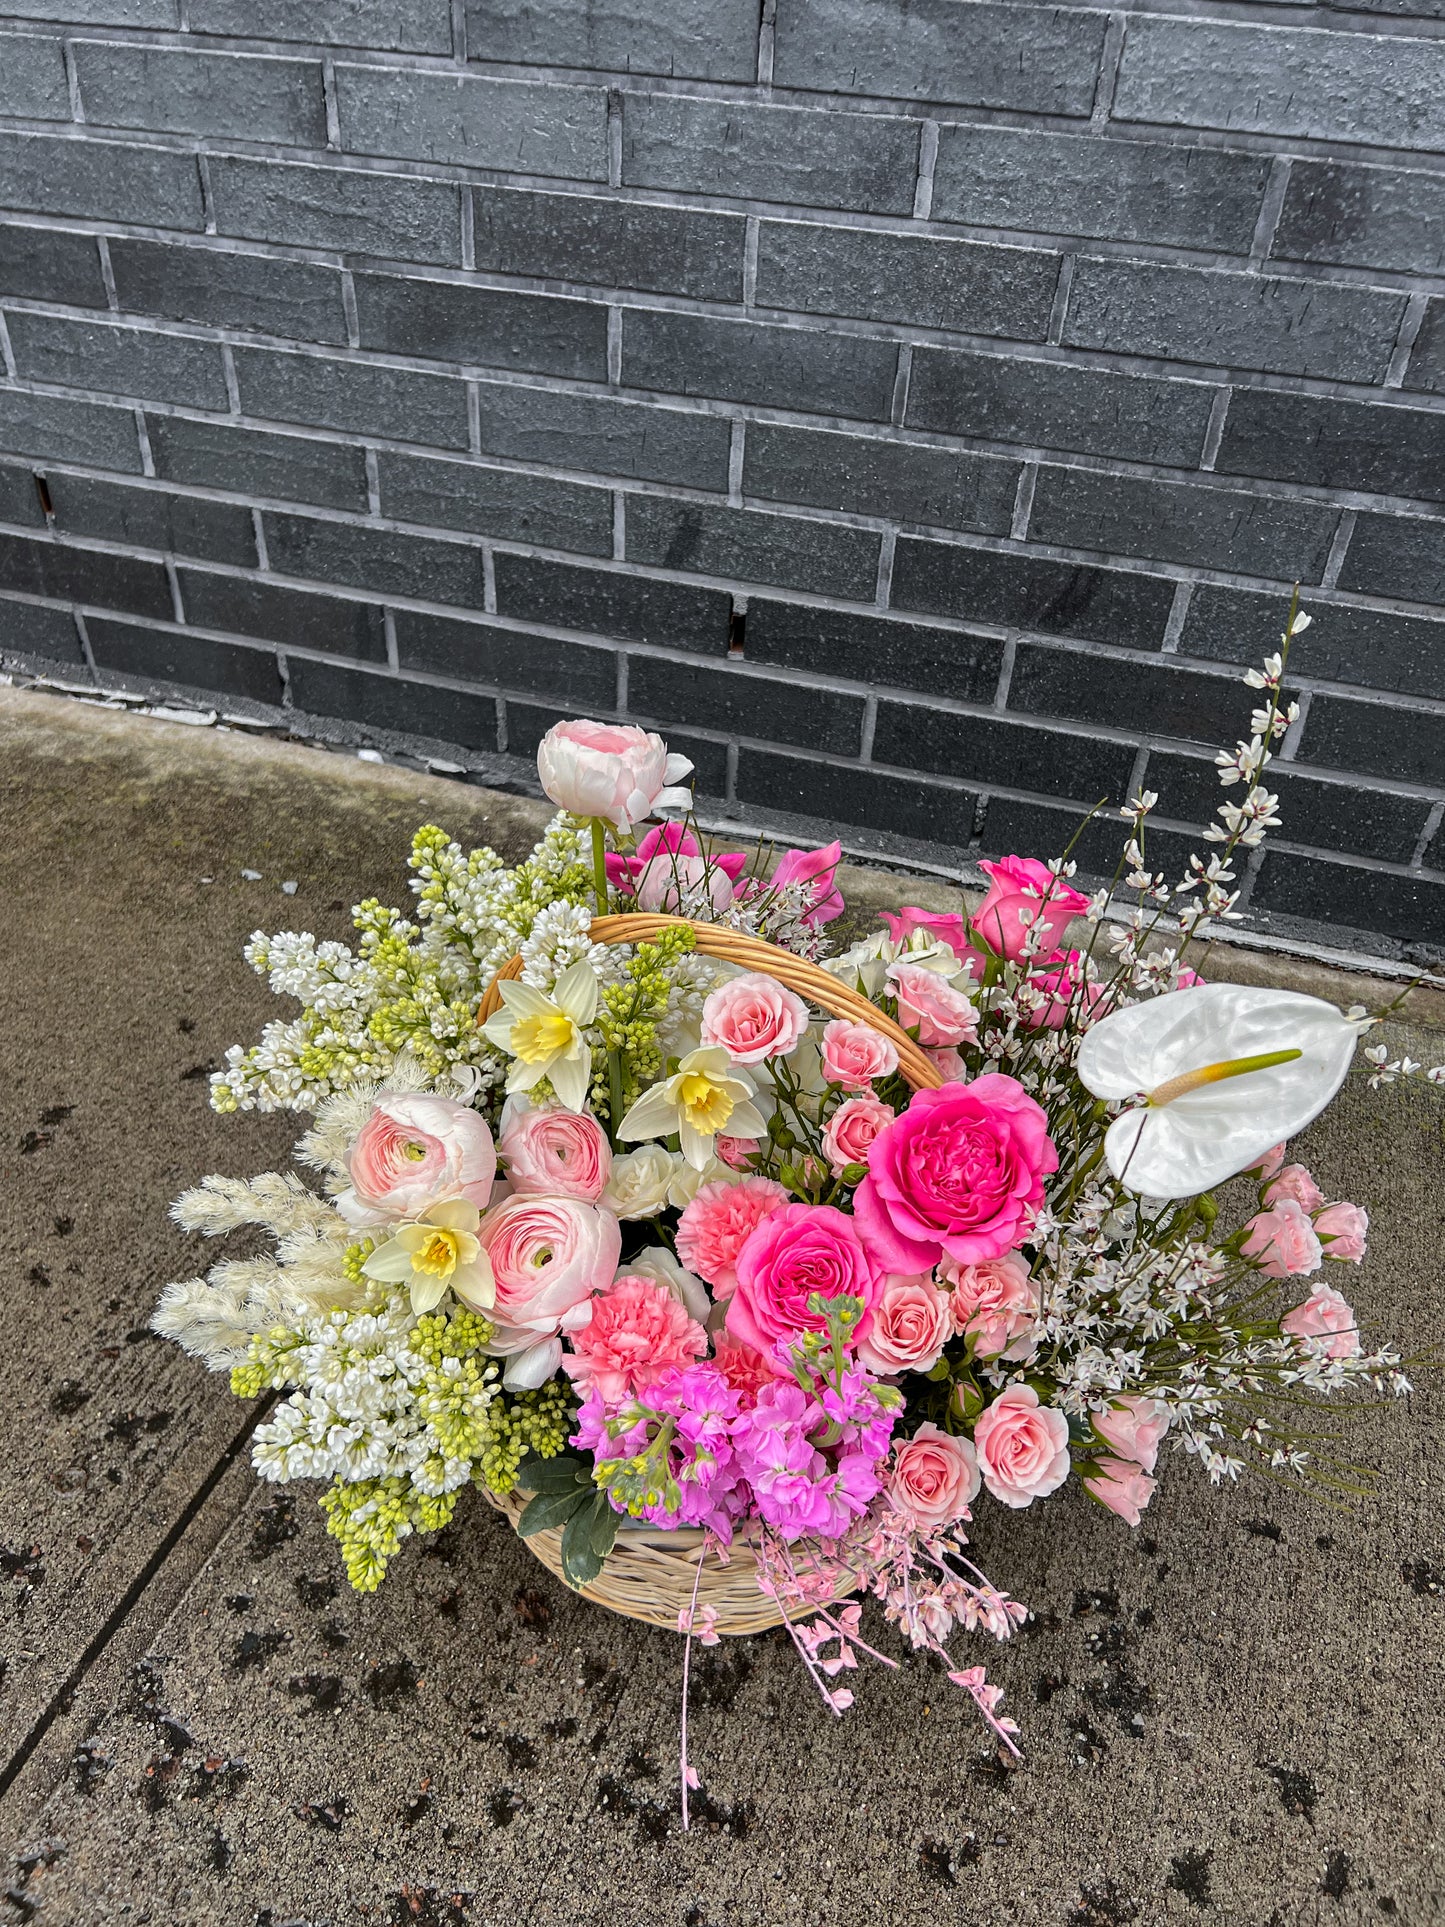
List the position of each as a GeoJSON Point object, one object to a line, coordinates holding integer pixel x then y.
{"type": "Point", "coordinates": [751, 953]}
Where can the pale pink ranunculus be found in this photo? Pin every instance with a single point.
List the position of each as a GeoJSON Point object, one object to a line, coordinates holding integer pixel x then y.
{"type": "Point", "coordinates": [960, 1174]}
{"type": "Point", "coordinates": [1120, 1485]}
{"type": "Point", "coordinates": [795, 1252]}
{"type": "Point", "coordinates": [996, 1301]}
{"type": "Point", "coordinates": [912, 1322]}
{"type": "Point", "coordinates": [1066, 985]}
{"type": "Point", "coordinates": [664, 881]}
{"type": "Point", "coordinates": [414, 1150]}
{"type": "Point", "coordinates": [1282, 1241]}
{"type": "Point", "coordinates": [718, 1222]}
{"type": "Point", "coordinates": [548, 1256]}
{"type": "Point", "coordinates": [1269, 1165]}
{"type": "Point", "coordinates": [947, 927]}
{"type": "Point", "coordinates": [933, 1479]}
{"type": "Point", "coordinates": [1327, 1324]}
{"type": "Point", "coordinates": [942, 1014]}
{"type": "Point", "coordinates": [1023, 1447]}
{"type": "Point", "coordinates": [637, 1331]}
{"type": "Point", "coordinates": [1341, 1229]}
{"type": "Point", "coordinates": [818, 869]}
{"type": "Point", "coordinates": [1294, 1181]}
{"type": "Point", "coordinates": [552, 1152]}
{"type": "Point", "coordinates": [610, 770]}
{"type": "Point", "coordinates": [753, 1018]}
{"type": "Point", "coordinates": [1025, 895]}
{"type": "Point", "coordinates": [856, 1055]}
{"type": "Point", "coordinates": [851, 1129]}
{"type": "Point", "coordinates": [1134, 1428]}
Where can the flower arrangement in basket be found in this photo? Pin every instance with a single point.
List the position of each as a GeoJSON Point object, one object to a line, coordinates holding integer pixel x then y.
{"type": "Point", "coordinates": [737, 1272]}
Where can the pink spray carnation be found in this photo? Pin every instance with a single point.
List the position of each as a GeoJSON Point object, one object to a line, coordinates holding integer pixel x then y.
{"type": "Point", "coordinates": [997, 1302]}
{"type": "Point", "coordinates": [933, 1480]}
{"type": "Point", "coordinates": [1341, 1229]}
{"type": "Point", "coordinates": [856, 1055]}
{"type": "Point", "coordinates": [718, 1222]}
{"type": "Point", "coordinates": [851, 1130]}
{"type": "Point", "coordinates": [1294, 1181]}
{"type": "Point", "coordinates": [943, 1015]}
{"type": "Point", "coordinates": [610, 770]}
{"type": "Point", "coordinates": [1025, 895]}
{"type": "Point", "coordinates": [816, 868]}
{"type": "Point", "coordinates": [744, 1369]}
{"type": "Point", "coordinates": [414, 1150]}
{"type": "Point", "coordinates": [795, 1252]}
{"type": "Point", "coordinates": [912, 1322]}
{"type": "Point", "coordinates": [1134, 1428]}
{"type": "Point", "coordinates": [1023, 1447]}
{"type": "Point", "coordinates": [553, 1152]}
{"type": "Point", "coordinates": [1121, 1486]}
{"type": "Point", "coordinates": [1326, 1322]}
{"type": "Point", "coordinates": [949, 928]}
{"type": "Point", "coordinates": [637, 1331]}
{"type": "Point", "coordinates": [1282, 1241]}
{"type": "Point", "coordinates": [753, 1017]}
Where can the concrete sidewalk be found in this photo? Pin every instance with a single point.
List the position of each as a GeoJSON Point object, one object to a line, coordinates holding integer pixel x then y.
{"type": "Point", "coordinates": [1231, 1715]}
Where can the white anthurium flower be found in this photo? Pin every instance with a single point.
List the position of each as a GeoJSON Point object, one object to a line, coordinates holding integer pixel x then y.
{"type": "Point", "coordinates": [440, 1253]}
{"type": "Point", "coordinates": [707, 1096]}
{"type": "Point", "coordinates": [1226, 1071]}
{"type": "Point", "coordinates": [544, 1034]}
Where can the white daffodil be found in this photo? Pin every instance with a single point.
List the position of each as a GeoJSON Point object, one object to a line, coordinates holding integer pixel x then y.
{"type": "Point", "coordinates": [544, 1034]}
{"type": "Point", "coordinates": [1225, 1071]}
{"type": "Point", "coordinates": [705, 1097]}
{"type": "Point", "coordinates": [439, 1253]}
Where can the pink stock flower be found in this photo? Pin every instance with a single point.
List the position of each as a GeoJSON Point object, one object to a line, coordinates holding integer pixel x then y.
{"type": "Point", "coordinates": [553, 1152]}
{"type": "Point", "coordinates": [959, 1173]}
{"type": "Point", "coordinates": [912, 1322]}
{"type": "Point", "coordinates": [548, 1256]}
{"type": "Point", "coordinates": [734, 1152]}
{"type": "Point", "coordinates": [1023, 1447]}
{"type": "Point", "coordinates": [1294, 1181]}
{"type": "Point", "coordinates": [997, 1301]}
{"type": "Point", "coordinates": [1121, 1486]}
{"type": "Point", "coordinates": [795, 1252]}
{"type": "Point", "coordinates": [1268, 1166]}
{"type": "Point", "coordinates": [1025, 895]}
{"type": "Point", "coordinates": [1134, 1428]}
{"type": "Point", "coordinates": [610, 770]}
{"type": "Point", "coordinates": [943, 1015]}
{"type": "Point", "coordinates": [818, 867]}
{"type": "Point", "coordinates": [947, 927]}
{"type": "Point", "coordinates": [414, 1150]}
{"type": "Point", "coordinates": [1067, 988]}
{"type": "Point", "coordinates": [855, 1055]}
{"type": "Point", "coordinates": [1282, 1241]}
{"type": "Point", "coordinates": [851, 1130]}
{"type": "Point", "coordinates": [663, 882]}
{"type": "Point", "coordinates": [933, 1480]}
{"type": "Point", "coordinates": [1326, 1323]}
{"type": "Point", "coordinates": [637, 1331]}
{"type": "Point", "coordinates": [753, 1017]}
{"type": "Point", "coordinates": [718, 1222]}
{"type": "Point", "coordinates": [1341, 1229]}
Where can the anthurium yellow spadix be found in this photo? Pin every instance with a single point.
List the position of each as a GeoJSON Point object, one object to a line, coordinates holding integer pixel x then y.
{"type": "Point", "coordinates": [1221, 1071]}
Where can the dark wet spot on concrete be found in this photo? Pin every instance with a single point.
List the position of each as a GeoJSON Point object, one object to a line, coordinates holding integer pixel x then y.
{"type": "Point", "coordinates": [1424, 1577]}
{"type": "Point", "coordinates": [1264, 1529]}
{"type": "Point", "coordinates": [995, 1769]}
{"type": "Point", "coordinates": [1387, 1904]}
{"type": "Point", "coordinates": [275, 1524]}
{"type": "Point", "coordinates": [615, 1798]}
{"type": "Point", "coordinates": [503, 1807]}
{"type": "Point", "coordinates": [561, 1729]}
{"type": "Point", "coordinates": [1102, 1905]}
{"type": "Point", "coordinates": [127, 1428]}
{"type": "Point", "coordinates": [55, 1114]}
{"type": "Point", "coordinates": [63, 1226]}
{"type": "Point", "coordinates": [532, 1608]}
{"type": "Point", "coordinates": [640, 1765]}
{"type": "Point", "coordinates": [90, 1765]}
{"type": "Point", "coordinates": [1104, 1601]}
{"type": "Point", "coordinates": [334, 1635]}
{"type": "Point", "coordinates": [1047, 1686]}
{"type": "Point", "coordinates": [449, 1606]}
{"type": "Point", "coordinates": [1325, 1541]}
{"type": "Point", "coordinates": [254, 1649]}
{"type": "Point", "coordinates": [718, 1678]}
{"type": "Point", "coordinates": [428, 1907]}
{"type": "Point", "coordinates": [1297, 1791]}
{"type": "Point", "coordinates": [444, 1546]}
{"type": "Point", "coordinates": [1144, 1616]}
{"type": "Point", "coordinates": [1337, 1874]}
{"type": "Point", "coordinates": [325, 1691]}
{"type": "Point", "coordinates": [240, 1602]}
{"type": "Point", "coordinates": [737, 1820]}
{"type": "Point", "coordinates": [199, 1073]}
{"type": "Point", "coordinates": [176, 1734]}
{"type": "Point", "coordinates": [417, 1808]}
{"type": "Point", "coordinates": [520, 1751]}
{"type": "Point", "coordinates": [315, 1592]}
{"type": "Point", "coordinates": [1189, 1875]}
{"type": "Point", "coordinates": [324, 1813]}
{"type": "Point", "coordinates": [142, 1335]}
{"type": "Point", "coordinates": [1089, 1744]}
{"type": "Point", "coordinates": [219, 1852]}
{"type": "Point", "coordinates": [941, 1862]}
{"type": "Point", "coordinates": [40, 1277]}
{"type": "Point", "coordinates": [391, 1681]}
{"type": "Point", "coordinates": [158, 1776]}
{"type": "Point", "coordinates": [34, 1141]}
{"type": "Point", "coordinates": [219, 1777]}
{"type": "Point", "coordinates": [185, 1025]}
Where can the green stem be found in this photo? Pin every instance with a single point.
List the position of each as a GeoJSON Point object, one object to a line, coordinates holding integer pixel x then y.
{"type": "Point", "coordinates": [599, 864]}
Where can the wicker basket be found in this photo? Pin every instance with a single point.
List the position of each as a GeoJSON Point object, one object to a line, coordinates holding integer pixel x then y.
{"type": "Point", "coordinates": [650, 1574]}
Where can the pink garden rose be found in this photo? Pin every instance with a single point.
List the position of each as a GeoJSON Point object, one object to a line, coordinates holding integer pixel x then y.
{"type": "Point", "coordinates": [851, 1129]}
{"type": "Point", "coordinates": [552, 1152]}
{"type": "Point", "coordinates": [1294, 1181]}
{"type": "Point", "coordinates": [663, 882]}
{"type": "Point", "coordinates": [912, 1322]}
{"type": "Point", "coordinates": [1327, 1324]}
{"type": "Point", "coordinates": [548, 1256]}
{"type": "Point", "coordinates": [1120, 1485]}
{"type": "Point", "coordinates": [610, 770]}
{"type": "Point", "coordinates": [855, 1055]}
{"type": "Point", "coordinates": [1282, 1241]}
{"type": "Point", "coordinates": [949, 928]}
{"type": "Point", "coordinates": [753, 1017]}
{"type": "Point", "coordinates": [414, 1150]}
{"type": "Point", "coordinates": [1023, 1447]}
{"type": "Point", "coordinates": [637, 1331]}
{"type": "Point", "coordinates": [1341, 1229]}
{"type": "Point", "coordinates": [943, 1015]}
{"type": "Point", "coordinates": [799, 1250]}
{"type": "Point", "coordinates": [1025, 895]}
{"type": "Point", "coordinates": [1134, 1428]}
{"type": "Point", "coordinates": [817, 868]}
{"type": "Point", "coordinates": [959, 1173]}
{"type": "Point", "coordinates": [997, 1301]}
{"type": "Point", "coordinates": [718, 1222]}
{"type": "Point", "coordinates": [933, 1480]}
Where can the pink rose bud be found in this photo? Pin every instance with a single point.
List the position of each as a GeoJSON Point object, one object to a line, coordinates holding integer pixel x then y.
{"type": "Point", "coordinates": [947, 928]}
{"type": "Point", "coordinates": [943, 1015]}
{"type": "Point", "coordinates": [1121, 1486]}
{"type": "Point", "coordinates": [912, 1322]}
{"type": "Point", "coordinates": [855, 1055]}
{"type": "Point", "coordinates": [1066, 988]}
{"type": "Point", "coordinates": [1282, 1241]}
{"type": "Point", "coordinates": [1294, 1181]}
{"type": "Point", "coordinates": [947, 1062]}
{"type": "Point", "coordinates": [1341, 1229]}
{"type": "Point", "coordinates": [414, 1150]}
{"type": "Point", "coordinates": [1268, 1165]}
{"type": "Point", "coordinates": [1023, 1447]}
{"type": "Point", "coordinates": [610, 770]}
{"type": "Point", "coordinates": [554, 1152]}
{"type": "Point", "coordinates": [735, 1152]}
{"type": "Point", "coordinates": [1134, 1427]}
{"type": "Point", "coordinates": [753, 1017]}
{"type": "Point", "coordinates": [933, 1479]}
{"type": "Point", "coordinates": [997, 1302]}
{"type": "Point", "coordinates": [851, 1130]}
{"type": "Point", "coordinates": [1023, 896]}
{"type": "Point", "coordinates": [1326, 1323]}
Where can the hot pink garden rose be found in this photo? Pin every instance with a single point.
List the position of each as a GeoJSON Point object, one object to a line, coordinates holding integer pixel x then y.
{"type": "Point", "coordinates": [1121, 1486]}
{"type": "Point", "coordinates": [816, 868]}
{"type": "Point", "coordinates": [959, 1174]}
{"type": "Point", "coordinates": [933, 1480]}
{"type": "Point", "coordinates": [637, 1331]}
{"type": "Point", "coordinates": [912, 1322]}
{"type": "Point", "coordinates": [610, 770]}
{"type": "Point", "coordinates": [943, 1015]}
{"type": "Point", "coordinates": [1327, 1322]}
{"type": "Point", "coordinates": [1025, 895]}
{"type": "Point", "coordinates": [947, 928]}
{"type": "Point", "coordinates": [414, 1150]}
{"type": "Point", "coordinates": [1341, 1229]}
{"type": "Point", "coordinates": [718, 1222]}
{"type": "Point", "coordinates": [1282, 1241]}
{"type": "Point", "coordinates": [1294, 1181]}
{"type": "Point", "coordinates": [551, 1152]}
{"type": "Point", "coordinates": [1023, 1447]}
{"type": "Point", "coordinates": [1134, 1428]}
{"type": "Point", "coordinates": [799, 1250]}
{"type": "Point", "coordinates": [997, 1301]}
{"type": "Point", "coordinates": [851, 1130]}
{"type": "Point", "coordinates": [855, 1055]}
{"type": "Point", "coordinates": [753, 1017]}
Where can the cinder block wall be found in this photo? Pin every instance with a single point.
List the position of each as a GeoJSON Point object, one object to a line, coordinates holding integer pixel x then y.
{"type": "Point", "coordinates": [918, 408]}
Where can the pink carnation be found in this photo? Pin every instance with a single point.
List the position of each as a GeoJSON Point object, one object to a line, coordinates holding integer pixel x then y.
{"type": "Point", "coordinates": [637, 1332]}
{"type": "Point", "coordinates": [996, 1301]}
{"type": "Point", "coordinates": [1294, 1181]}
{"type": "Point", "coordinates": [1326, 1322]}
{"type": "Point", "coordinates": [1341, 1229]}
{"type": "Point", "coordinates": [753, 1017]}
{"type": "Point", "coordinates": [554, 1152]}
{"type": "Point", "coordinates": [948, 928]}
{"type": "Point", "coordinates": [796, 1252]}
{"type": "Point", "coordinates": [1282, 1241]}
{"type": "Point", "coordinates": [1135, 1428]}
{"type": "Point", "coordinates": [1025, 895]}
{"type": "Point", "coordinates": [719, 1221]}
{"type": "Point", "coordinates": [855, 1055]}
{"type": "Point", "coordinates": [933, 1479]}
{"type": "Point", "coordinates": [1121, 1486]}
{"type": "Point", "coordinates": [942, 1014]}
{"type": "Point", "coordinates": [851, 1130]}
{"type": "Point", "coordinates": [744, 1369]}
{"type": "Point", "coordinates": [1023, 1447]}
{"type": "Point", "coordinates": [912, 1322]}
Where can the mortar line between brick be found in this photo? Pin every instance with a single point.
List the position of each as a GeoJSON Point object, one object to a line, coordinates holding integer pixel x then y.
{"type": "Point", "coordinates": [1336, 558]}
{"type": "Point", "coordinates": [489, 580]}
{"type": "Point", "coordinates": [736, 447]}
{"type": "Point", "coordinates": [459, 32]}
{"type": "Point", "coordinates": [7, 352]}
{"type": "Point", "coordinates": [258, 529]}
{"type": "Point", "coordinates": [1059, 311]}
{"type": "Point", "coordinates": [1427, 834]}
{"type": "Point", "coordinates": [173, 582]}
{"type": "Point", "coordinates": [870, 726]}
{"type": "Point", "coordinates": [903, 375]}
{"type": "Point", "coordinates": [348, 309]}
{"type": "Point", "coordinates": [72, 82]}
{"type": "Point", "coordinates": [767, 45]}
{"type": "Point", "coordinates": [884, 590]}
{"type": "Point", "coordinates": [730, 778]}
{"type": "Point", "coordinates": [373, 482]}
{"type": "Point", "coordinates": [1411, 321]}
{"type": "Point", "coordinates": [619, 525]}
{"type": "Point", "coordinates": [233, 386]}
{"type": "Point", "coordinates": [1006, 670]}
{"type": "Point", "coordinates": [328, 96]}
{"type": "Point", "coordinates": [1109, 57]}
{"type": "Point", "coordinates": [1214, 431]}
{"type": "Point", "coordinates": [1024, 501]}
{"type": "Point", "coordinates": [927, 162]}
{"type": "Point", "coordinates": [143, 443]}
{"type": "Point", "coordinates": [751, 233]}
{"type": "Point", "coordinates": [614, 137]}
{"type": "Point", "coordinates": [1136, 772]}
{"type": "Point", "coordinates": [208, 200]}
{"type": "Point", "coordinates": [474, 418]}
{"type": "Point", "coordinates": [388, 629]}
{"type": "Point", "coordinates": [469, 231]}
{"type": "Point", "coordinates": [621, 689]}
{"type": "Point", "coordinates": [1270, 208]}
{"type": "Point", "coordinates": [84, 634]}
{"type": "Point", "coordinates": [614, 347]}
{"type": "Point", "coordinates": [1290, 741]}
{"type": "Point", "coordinates": [1174, 625]}
{"type": "Point", "coordinates": [107, 273]}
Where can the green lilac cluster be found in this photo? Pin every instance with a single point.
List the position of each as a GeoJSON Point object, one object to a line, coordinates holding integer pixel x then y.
{"type": "Point", "coordinates": [522, 1422]}
{"type": "Point", "coordinates": [369, 1518]}
{"type": "Point", "coordinates": [629, 1012]}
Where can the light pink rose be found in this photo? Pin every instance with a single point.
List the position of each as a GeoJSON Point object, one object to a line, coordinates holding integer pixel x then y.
{"type": "Point", "coordinates": [551, 1152]}
{"type": "Point", "coordinates": [1025, 895]}
{"type": "Point", "coordinates": [795, 1252]}
{"type": "Point", "coordinates": [996, 1301]}
{"type": "Point", "coordinates": [949, 1065]}
{"type": "Point", "coordinates": [1121, 1486]}
{"type": "Point", "coordinates": [912, 1322]}
{"type": "Point", "coordinates": [663, 882]}
{"type": "Point", "coordinates": [851, 1130]}
{"type": "Point", "coordinates": [1294, 1181]}
{"type": "Point", "coordinates": [610, 770]}
{"type": "Point", "coordinates": [637, 1331]}
{"type": "Point", "coordinates": [943, 1015]}
{"type": "Point", "coordinates": [1023, 1447]}
{"type": "Point", "coordinates": [1341, 1229]}
{"type": "Point", "coordinates": [855, 1055]}
{"type": "Point", "coordinates": [734, 1152]}
{"type": "Point", "coordinates": [548, 1256]}
{"type": "Point", "coordinates": [1282, 1241]}
{"type": "Point", "coordinates": [753, 1017]}
{"type": "Point", "coordinates": [949, 928]}
{"type": "Point", "coordinates": [414, 1150]}
{"type": "Point", "coordinates": [718, 1222]}
{"type": "Point", "coordinates": [1067, 988]}
{"type": "Point", "coordinates": [1268, 1165]}
{"type": "Point", "coordinates": [817, 868]}
{"type": "Point", "coordinates": [1134, 1427]}
{"type": "Point", "coordinates": [1326, 1322]}
{"type": "Point", "coordinates": [933, 1479]}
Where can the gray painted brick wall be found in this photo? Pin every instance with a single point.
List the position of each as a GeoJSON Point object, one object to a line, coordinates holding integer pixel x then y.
{"type": "Point", "coordinates": [917, 408]}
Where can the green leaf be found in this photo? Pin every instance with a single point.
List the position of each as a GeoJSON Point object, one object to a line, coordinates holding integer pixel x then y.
{"type": "Point", "coordinates": [559, 1474]}
{"type": "Point", "coordinates": [582, 1554]}
{"type": "Point", "coordinates": [549, 1510]}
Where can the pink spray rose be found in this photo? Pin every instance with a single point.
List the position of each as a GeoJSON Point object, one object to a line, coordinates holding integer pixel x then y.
{"type": "Point", "coordinates": [1025, 895]}
{"type": "Point", "coordinates": [1066, 987]}
{"type": "Point", "coordinates": [548, 1256]}
{"type": "Point", "coordinates": [960, 1173]}
{"type": "Point", "coordinates": [817, 868]}
{"type": "Point", "coordinates": [851, 1130]}
{"type": "Point", "coordinates": [637, 1331]}
{"type": "Point", "coordinates": [912, 1322]}
{"type": "Point", "coordinates": [947, 928]}
{"type": "Point", "coordinates": [1268, 1165]}
{"type": "Point", "coordinates": [414, 1150]}
{"type": "Point", "coordinates": [947, 1062]}
{"type": "Point", "coordinates": [610, 770]}
{"type": "Point", "coordinates": [718, 1222]}
{"type": "Point", "coordinates": [1134, 1427]}
{"type": "Point", "coordinates": [943, 1015]}
{"type": "Point", "coordinates": [1122, 1486]}
{"type": "Point", "coordinates": [1023, 1447]}
{"type": "Point", "coordinates": [933, 1480]}
{"type": "Point", "coordinates": [1326, 1321]}
{"type": "Point", "coordinates": [734, 1152]}
{"type": "Point", "coordinates": [663, 881]}
{"type": "Point", "coordinates": [1282, 1241]}
{"type": "Point", "coordinates": [855, 1055]}
{"type": "Point", "coordinates": [753, 1017]}
{"type": "Point", "coordinates": [1294, 1181]}
{"type": "Point", "coordinates": [1341, 1229]}
{"type": "Point", "coordinates": [552, 1152]}
{"type": "Point", "coordinates": [799, 1250]}
{"type": "Point", "coordinates": [996, 1301]}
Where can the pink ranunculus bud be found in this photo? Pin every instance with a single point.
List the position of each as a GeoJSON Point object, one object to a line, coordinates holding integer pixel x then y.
{"type": "Point", "coordinates": [1122, 1486]}
{"type": "Point", "coordinates": [1326, 1322]}
{"type": "Point", "coordinates": [753, 1018]}
{"type": "Point", "coordinates": [1294, 1181]}
{"type": "Point", "coordinates": [1134, 1428]}
{"type": "Point", "coordinates": [1341, 1229]}
{"type": "Point", "coordinates": [856, 1055]}
{"type": "Point", "coordinates": [610, 770]}
{"type": "Point", "coordinates": [851, 1130]}
{"type": "Point", "coordinates": [1282, 1241]}
{"type": "Point", "coordinates": [1024, 895]}
{"type": "Point", "coordinates": [943, 1015]}
{"type": "Point", "coordinates": [664, 880]}
{"type": "Point", "coordinates": [996, 1301]}
{"type": "Point", "coordinates": [951, 929]}
{"type": "Point", "coordinates": [1023, 1447]}
{"type": "Point", "coordinates": [818, 868]}
{"type": "Point", "coordinates": [933, 1479]}
{"type": "Point", "coordinates": [637, 1331]}
{"type": "Point", "coordinates": [552, 1152]}
{"type": "Point", "coordinates": [912, 1322]}
{"type": "Point", "coordinates": [414, 1150]}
